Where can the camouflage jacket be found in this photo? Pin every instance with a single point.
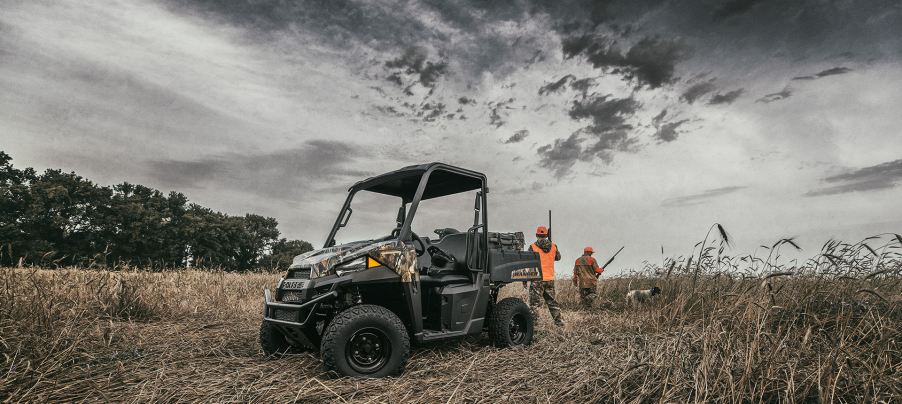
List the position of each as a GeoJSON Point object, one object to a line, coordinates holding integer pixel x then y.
{"type": "Point", "coordinates": [585, 271]}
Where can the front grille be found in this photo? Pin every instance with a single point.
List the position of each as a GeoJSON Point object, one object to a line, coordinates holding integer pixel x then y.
{"type": "Point", "coordinates": [292, 297]}
{"type": "Point", "coordinates": [285, 315]}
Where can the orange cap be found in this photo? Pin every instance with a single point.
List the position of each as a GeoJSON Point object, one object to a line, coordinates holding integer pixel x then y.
{"type": "Point", "coordinates": [588, 250]}
{"type": "Point", "coordinates": [541, 231]}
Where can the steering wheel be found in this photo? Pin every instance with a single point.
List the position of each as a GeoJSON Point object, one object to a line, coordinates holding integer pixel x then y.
{"type": "Point", "coordinates": [422, 250]}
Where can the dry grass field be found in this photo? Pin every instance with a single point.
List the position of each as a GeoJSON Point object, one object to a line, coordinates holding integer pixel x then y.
{"type": "Point", "coordinates": [725, 329]}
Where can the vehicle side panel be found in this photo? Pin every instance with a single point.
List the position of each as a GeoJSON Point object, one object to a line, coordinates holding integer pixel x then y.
{"type": "Point", "coordinates": [514, 266]}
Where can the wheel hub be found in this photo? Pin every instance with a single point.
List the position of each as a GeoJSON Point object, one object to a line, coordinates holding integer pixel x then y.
{"type": "Point", "coordinates": [368, 350]}
{"type": "Point", "coordinates": [517, 329]}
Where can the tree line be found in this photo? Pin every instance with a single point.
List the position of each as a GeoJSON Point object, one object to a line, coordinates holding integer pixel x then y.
{"type": "Point", "coordinates": [57, 218]}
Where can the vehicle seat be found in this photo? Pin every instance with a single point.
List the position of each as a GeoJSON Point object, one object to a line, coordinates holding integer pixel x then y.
{"type": "Point", "coordinates": [454, 244]}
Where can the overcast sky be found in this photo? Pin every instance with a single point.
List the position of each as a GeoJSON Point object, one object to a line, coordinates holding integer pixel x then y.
{"type": "Point", "coordinates": [640, 123]}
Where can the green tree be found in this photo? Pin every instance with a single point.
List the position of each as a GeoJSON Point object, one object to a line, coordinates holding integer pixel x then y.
{"type": "Point", "coordinates": [63, 219]}
{"type": "Point", "coordinates": [14, 200]}
{"type": "Point", "coordinates": [258, 234]}
{"type": "Point", "coordinates": [144, 226]}
{"type": "Point", "coordinates": [283, 251]}
{"type": "Point", "coordinates": [66, 215]}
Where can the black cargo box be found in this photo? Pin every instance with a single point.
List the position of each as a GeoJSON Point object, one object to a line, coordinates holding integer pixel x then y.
{"type": "Point", "coordinates": [507, 241]}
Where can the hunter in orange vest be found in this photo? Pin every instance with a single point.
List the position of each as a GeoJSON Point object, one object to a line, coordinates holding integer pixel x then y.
{"type": "Point", "coordinates": [585, 276]}
{"type": "Point", "coordinates": [544, 290]}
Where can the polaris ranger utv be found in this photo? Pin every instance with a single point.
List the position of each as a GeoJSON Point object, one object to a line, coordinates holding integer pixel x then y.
{"type": "Point", "coordinates": [361, 303]}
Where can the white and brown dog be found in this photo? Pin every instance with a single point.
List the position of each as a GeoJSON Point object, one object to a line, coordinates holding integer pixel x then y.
{"type": "Point", "coordinates": [642, 296]}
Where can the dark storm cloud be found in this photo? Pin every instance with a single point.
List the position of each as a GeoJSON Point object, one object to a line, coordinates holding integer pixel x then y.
{"type": "Point", "coordinates": [726, 98]}
{"type": "Point", "coordinates": [338, 22]}
{"type": "Point", "coordinates": [388, 110]}
{"type": "Point", "coordinates": [413, 62]}
{"type": "Point", "coordinates": [781, 95]}
{"type": "Point", "coordinates": [517, 137]}
{"type": "Point", "coordinates": [873, 178]}
{"type": "Point", "coordinates": [580, 85]}
{"type": "Point", "coordinates": [498, 112]}
{"type": "Point", "coordinates": [735, 7]}
{"type": "Point", "coordinates": [583, 85]}
{"type": "Point", "coordinates": [642, 39]}
{"type": "Point", "coordinates": [650, 62]}
{"type": "Point", "coordinates": [668, 132]}
{"type": "Point", "coordinates": [656, 121]}
{"type": "Point", "coordinates": [834, 71]}
{"type": "Point", "coordinates": [606, 112]}
{"type": "Point", "coordinates": [284, 175]}
{"type": "Point", "coordinates": [608, 132]}
{"type": "Point", "coordinates": [608, 142]}
{"type": "Point", "coordinates": [431, 111]}
{"type": "Point", "coordinates": [556, 86]}
{"type": "Point", "coordinates": [829, 72]}
{"type": "Point", "coordinates": [642, 42]}
{"type": "Point", "coordinates": [561, 155]}
{"type": "Point", "coordinates": [702, 197]}
{"type": "Point", "coordinates": [698, 90]}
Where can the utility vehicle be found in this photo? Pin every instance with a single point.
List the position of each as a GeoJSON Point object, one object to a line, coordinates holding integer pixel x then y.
{"type": "Point", "coordinates": [362, 303]}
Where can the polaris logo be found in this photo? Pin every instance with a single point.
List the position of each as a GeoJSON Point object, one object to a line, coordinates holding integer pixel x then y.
{"type": "Point", "coordinates": [526, 273]}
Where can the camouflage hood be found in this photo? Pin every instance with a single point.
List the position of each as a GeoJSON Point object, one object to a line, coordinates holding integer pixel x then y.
{"type": "Point", "coordinates": [393, 254]}
{"type": "Point", "coordinates": [311, 258]}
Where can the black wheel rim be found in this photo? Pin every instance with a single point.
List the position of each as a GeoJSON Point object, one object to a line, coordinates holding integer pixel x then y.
{"type": "Point", "coordinates": [368, 350]}
{"type": "Point", "coordinates": [517, 329]}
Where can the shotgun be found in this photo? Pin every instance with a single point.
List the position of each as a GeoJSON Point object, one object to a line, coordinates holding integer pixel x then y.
{"type": "Point", "coordinates": [549, 236]}
{"type": "Point", "coordinates": [549, 224]}
{"type": "Point", "coordinates": [610, 260]}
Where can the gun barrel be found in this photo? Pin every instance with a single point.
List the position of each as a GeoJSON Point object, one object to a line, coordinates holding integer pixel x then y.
{"type": "Point", "coordinates": [549, 224]}
{"type": "Point", "coordinates": [612, 257]}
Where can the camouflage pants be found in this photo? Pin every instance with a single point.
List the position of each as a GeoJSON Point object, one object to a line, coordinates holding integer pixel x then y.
{"type": "Point", "coordinates": [544, 290]}
{"type": "Point", "coordinates": [587, 297]}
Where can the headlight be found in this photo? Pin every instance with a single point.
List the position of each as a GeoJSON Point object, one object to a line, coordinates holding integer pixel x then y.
{"type": "Point", "coordinates": [356, 264]}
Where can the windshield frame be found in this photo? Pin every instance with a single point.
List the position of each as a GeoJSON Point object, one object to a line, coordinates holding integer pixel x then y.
{"type": "Point", "coordinates": [405, 233]}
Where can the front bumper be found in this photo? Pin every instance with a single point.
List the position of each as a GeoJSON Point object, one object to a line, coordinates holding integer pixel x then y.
{"type": "Point", "coordinates": [300, 314]}
{"type": "Point", "coordinates": [271, 308]}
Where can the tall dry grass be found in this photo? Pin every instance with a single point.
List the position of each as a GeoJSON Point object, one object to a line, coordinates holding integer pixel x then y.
{"type": "Point", "coordinates": [725, 329]}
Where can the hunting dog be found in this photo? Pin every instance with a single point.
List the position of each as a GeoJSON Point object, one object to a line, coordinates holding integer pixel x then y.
{"type": "Point", "coordinates": [641, 296]}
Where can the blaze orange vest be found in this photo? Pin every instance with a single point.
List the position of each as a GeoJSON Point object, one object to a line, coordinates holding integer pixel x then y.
{"type": "Point", "coordinates": [546, 259]}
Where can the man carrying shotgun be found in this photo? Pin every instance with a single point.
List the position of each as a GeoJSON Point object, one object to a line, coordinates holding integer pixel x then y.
{"type": "Point", "coordinates": [544, 289]}
{"type": "Point", "coordinates": [585, 275]}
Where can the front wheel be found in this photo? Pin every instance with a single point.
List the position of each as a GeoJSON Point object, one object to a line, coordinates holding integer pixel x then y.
{"type": "Point", "coordinates": [511, 324]}
{"type": "Point", "coordinates": [272, 340]}
{"type": "Point", "coordinates": [365, 341]}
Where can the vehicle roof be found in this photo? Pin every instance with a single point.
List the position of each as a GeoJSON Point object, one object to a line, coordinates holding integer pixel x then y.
{"type": "Point", "coordinates": [444, 180]}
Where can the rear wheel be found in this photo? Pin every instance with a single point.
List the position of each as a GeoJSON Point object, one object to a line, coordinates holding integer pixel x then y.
{"type": "Point", "coordinates": [365, 341]}
{"type": "Point", "coordinates": [512, 324]}
{"type": "Point", "coordinates": [272, 340]}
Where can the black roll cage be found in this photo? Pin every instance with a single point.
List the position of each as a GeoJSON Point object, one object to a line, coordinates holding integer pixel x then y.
{"type": "Point", "coordinates": [425, 171]}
